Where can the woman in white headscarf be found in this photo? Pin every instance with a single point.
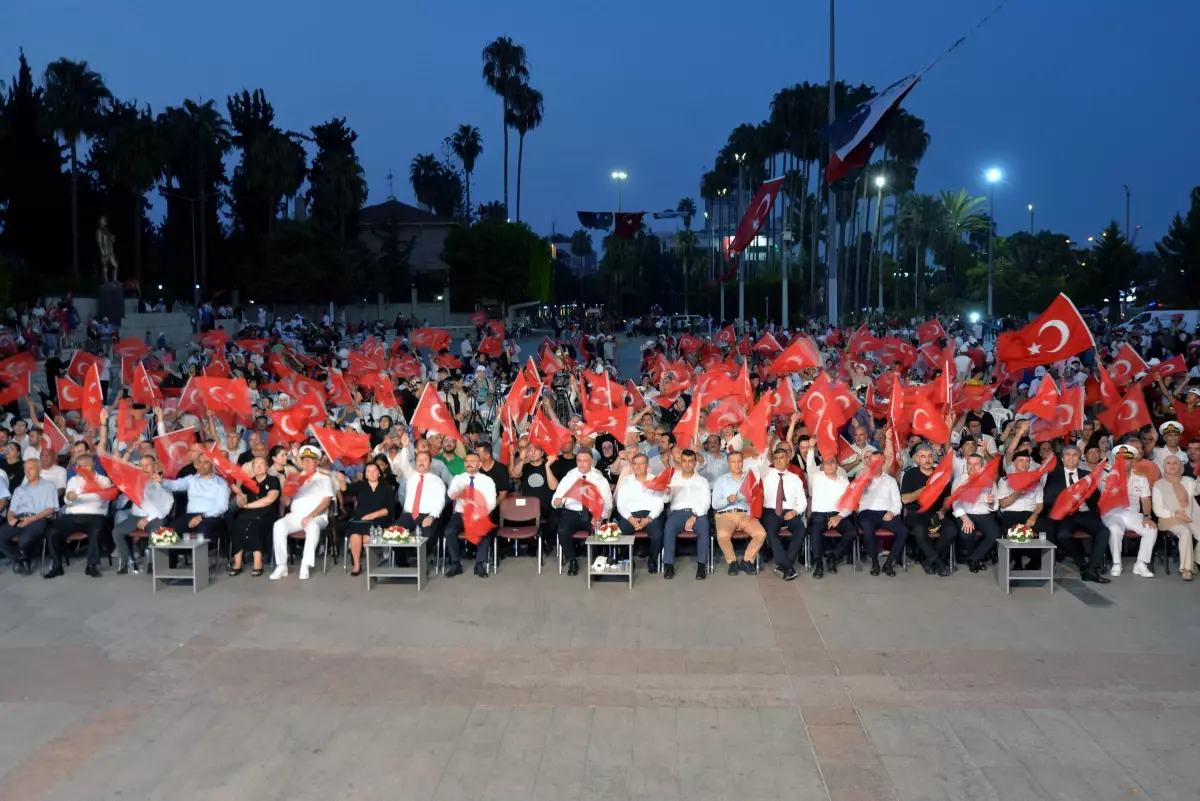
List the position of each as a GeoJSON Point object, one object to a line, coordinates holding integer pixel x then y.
{"type": "Point", "coordinates": [1174, 499]}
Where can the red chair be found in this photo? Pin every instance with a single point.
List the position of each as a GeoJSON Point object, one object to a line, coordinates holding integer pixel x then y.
{"type": "Point", "coordinates": [520, 519]}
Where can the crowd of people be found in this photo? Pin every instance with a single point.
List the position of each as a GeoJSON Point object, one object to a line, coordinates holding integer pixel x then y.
{"type": "Point", "coordinates": [808, 448]}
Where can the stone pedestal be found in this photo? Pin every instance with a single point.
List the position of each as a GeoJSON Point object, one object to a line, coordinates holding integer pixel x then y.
{"type": "Point", "coordinates": [111, 303]}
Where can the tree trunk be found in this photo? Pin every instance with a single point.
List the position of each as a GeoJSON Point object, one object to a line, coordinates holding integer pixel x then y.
{"type": "Point", "coordinates": [816, 238]}
{"type": "Point", "coordinates": [520, 159]}
{"type": "Point", "coordinates": [74, 213]}
{"type": "Point", "coordinates": [504, 122]}
{"type": "Point", "coordinates": [468, 177]}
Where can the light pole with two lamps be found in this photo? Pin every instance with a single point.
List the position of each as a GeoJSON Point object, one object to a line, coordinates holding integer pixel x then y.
{"type": "Point", "coordinates": [619, 177]}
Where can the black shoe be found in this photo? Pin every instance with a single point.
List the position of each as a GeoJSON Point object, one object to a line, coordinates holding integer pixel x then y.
{"type": "Point", "coordinates": [818, 570]}
{"type": "Point", "coordinates": [1094, 577]}
{"type": "Point", "coordinates": [780, 571]}
{"type": "Point", "coordinates": [652, 565]}
{"type": "Point", "coordinates": [92, 571]}
{"type": "Point", "coordinates": [833, 563]}
{"type": "Point", "coordinates": [454, 570]}
{"type": "Point", "coordinates": [669, 571]}
{"type": "Point", "coordinates": [18, 567]}
{"type": "Point", "coordinates": [572, 567]}
{"type": "Point", "coordinates": [790, 574]}
{"type": "Point", "coordinates": [356, 572]}
{"type": "Point", "coordinates": [943, 570]}
{"type": "Point", "coordinates": [748, 568]}
{"type": "Point", "coordinates": [888, 570]}
{"type": "Point", "coordinates": [481, 571]}
{"type": "Point", "coordinates": [701, 572]}
{"type": "Point", "coordinates": [123, 569]}
{"type": "Point", "coordinates": [978, 566]}
{"type": "Point", "coordinates": [874, 567]}
{"type": "Point", "coordinates": [733, 568]}
{"type": "Point", "coordinates": [54, 572]}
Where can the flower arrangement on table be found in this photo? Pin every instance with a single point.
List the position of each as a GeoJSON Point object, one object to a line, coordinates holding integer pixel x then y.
{"type": "Point", "coordinates": [396, 534]}
{"type": "Point", "coordinates": [164, 536]}
{"type": "Point", "coordinates": [607, 531]}
{"type": "Point", "coordinates": [1021, 533]}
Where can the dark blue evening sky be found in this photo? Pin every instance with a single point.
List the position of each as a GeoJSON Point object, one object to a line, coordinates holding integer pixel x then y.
{"type": "Point", "coordinates": [1070, 98]}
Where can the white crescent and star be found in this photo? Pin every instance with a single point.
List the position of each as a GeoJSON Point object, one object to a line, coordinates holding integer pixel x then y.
{"type": "Point", "coordinates": [1133, 410]}
{"type": "Point", "coordinates": [1124, 371]}
{"type": "Point", "coordinates": [1063, 332]}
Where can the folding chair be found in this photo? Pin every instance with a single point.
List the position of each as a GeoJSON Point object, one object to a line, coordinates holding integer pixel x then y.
{"type": "Point", "coordinates": [520, 519]}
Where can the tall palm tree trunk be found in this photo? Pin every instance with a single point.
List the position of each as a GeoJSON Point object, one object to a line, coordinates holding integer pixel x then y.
{"type": "Point", "coordinates": [468, 177]}
{"type": "Point", "coordinates": [504, 122]}
{"type": "Point", "coordinates": [74, 213]}
{"type": "Point", "coordinates": [520, 159]}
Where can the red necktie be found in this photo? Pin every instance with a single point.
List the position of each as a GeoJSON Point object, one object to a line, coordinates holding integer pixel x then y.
{"type": "Point", "coordinates": [779, 497]}
{"type": "Point", "coordinates": [416, 505]}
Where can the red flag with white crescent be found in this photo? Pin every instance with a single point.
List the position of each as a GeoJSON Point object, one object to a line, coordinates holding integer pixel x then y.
{"type": "Point", "coordinates": [174, 450]}
{"type": "Point", "coordinates": [756, 215]}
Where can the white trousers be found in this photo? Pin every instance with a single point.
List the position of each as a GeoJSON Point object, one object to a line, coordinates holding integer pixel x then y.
{"type": "Point", "coordinates": [1189, 544]}
{"type": "Point", "coordinates": [1118, 522]}
{"type": "Point", "coordinates": [312, 534]}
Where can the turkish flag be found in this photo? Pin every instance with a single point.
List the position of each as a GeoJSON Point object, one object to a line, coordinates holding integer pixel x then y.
{"type": "Point", "coordinates": [213, 340]}
{"type": "Point", "coordinates": [725, 336]}
{"type": "Point", "coordinates": [930, 331]}
{"type": "Point", "coordinates": [432, 415]}
{"type": "Point", "coordinates": [1068, 416]}
{"type": "Point", "coordinates": [490, 346]}
{"type": "Point", "coordinates": [689, 343]}
{"type": "Point", "coordinates": [476, 517]}
{"type": "Point", "coordinates": [971, 397]}
{"type": "Point", "coordinates": [130, 348]}
{"type": "Point", "coordinates": [1115, 494]}
{"type": "Point", "coordinates": [17, 390]}
{"type": "Point", "coordinates": [634, 395]}
{"type": "Point", "coordinates": [729, 412]}
{"type": "Point", "coordinates": [1058, 333]}
{"type": "Point", "coordinates": [755, 426]}
{"type": "Point", "coordinates": [174, 450]}
{"type": "Point", "coordinates": [1071, 498]}
{"type": "Point", "coordinates": [448, 361]}
{"type": "Point", "coordinates": [767, 344]}
{"type": "Point", "coordinates": [93, 396]}
{"type": "Point", "coordinates": [55, 439]}
{"type": "Point", "coordinates": [1044, 403]}
{"type": "Point", "coordinates": [660, 482]}
{"type": "Point", "coordinates": [521, 396]}
{"type": "Point", "coordinates": [339, 390]}
{"type": "Point", "coordinates": [218, 365]}
{"type": "Point", "coordinates": [783, 399]}
{"type": "Point", "coordinates": [1102, 389]}
{"type": "Point", "coordinates": [432, 338]}
{"type": "Point", "coordinates": [688, 427]}
{"type": "Point", "coordinates": [222, 394]}
{"type": "Point", "coordinates": [614, 421]}
{"type": "Point", "coordinates": [852, 497]}
{"type": "Point", "coordinates": [258, 346]}
{"type": "Point", "coordinates": [628, 224]}
{"type": "Point", "coordinates": [846, 451]}
{"type": "Point", "coordinates": [228, 470]}
{"type": "Point", "coordinates": [293, 483]}
{"type": "Point", "coordinates": [289, 424]}
{"type": "Point", "coordinates": [756, 215]}
{"type": "Point", "coordinates": [381, 385]}
{"type": "Point", "coordinates": [977, 484]}
{"type": "Point", "coordinates": [800, 354]}
{"type": "Point", "coordinates": [1020, 482]}
{"type": "Point", "coordinates": [92, 486]}
{"type": "Point", "coordinates": [1126, 364]}
{"type": "Point", "coordinates": [548, 434]}
{"type": "Point", "coordinates": [926, 421]}
{"type": "Point", "coordinates": [17, 365]}
{"type": "Point", "coordinates": [588, 496]}
{"type": "Point", "coordinates": [143, 389]}
{"type": "Point", "coordinates": [1131, 415]}
{"type": "Point", "coordinates": [752, 491]}
{"type": "Point", "coordinates": [939, 479]}
{"type": "Point", "coordinates": [405, 367]}
{"type": "Point", "coordinates": [128, 478]}
{"type": "Point", "coordinates": [129, 427]}
{"type": "Point", "coordinates": [478, 318]}
{"type": "Point", "coordinates": [342, 446]}
{"type": "Point", "coordinates": [81, 362]}
{"type": "Point", "coordinates": [1173, 366]}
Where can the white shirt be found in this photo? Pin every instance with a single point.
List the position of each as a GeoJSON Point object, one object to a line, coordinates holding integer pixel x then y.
{"type": "Point", "coordinates": [433, 495]}
{"type": "Point", "coordinates": [595, 479]}
{"type": "Point", "coordinates": [979, 506]}
{"type": "Point", "coordinates": [632, 496]}
{"type": "Point", "coordinates": [483, 483]}
{"type": "Point", "coordinates": [56, 475]}
{"type": "Point", "coordinates": [690, 493]}
{"type": "Point", "coordinates": [826, 491]}
{"type": "Point", "coordinates": [1026, 501]}
{"type": "Point", "coordinates": [863, 453]}
{"type": "Point", "coordinates": [308, 497]}
{"type": "Point", "coordinates": [794, 499]}
{"type": "Point", "coordinates": [85, 503]}
{"type": "Point", "coordinates": [156, 504]}
{"type": "Point", "coordinates": [881, 495]}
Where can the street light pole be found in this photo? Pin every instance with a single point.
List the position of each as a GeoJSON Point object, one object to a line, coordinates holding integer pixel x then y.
{"type": "Point", "coordinates": [831, 254]}
{"type": "Point", "coordinates": [879, 182]}
{"type": "Point", "coordinates": [741, 321]}
{"type": "Point", "coordinates": [1128, 233]}
{"type": "Point", "coordinates": [993, 176]}
{"type": "Point", "coordinates": [1031, 218]}
{"type": "Point", "coordinates": [786, 236]}
{"type": "Point", "coordinates": [619, 177]}
{"type": "Point", "coordinates": [724, 193]}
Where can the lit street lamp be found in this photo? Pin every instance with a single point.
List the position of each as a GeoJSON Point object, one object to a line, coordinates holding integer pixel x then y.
{"type": "Point", "coordinates": [1030, 218]}
{"type": "Point", "coordinates": [993, 176]}
{"type": "Point", "coordinates": [880, 181]}
{"type": "Point", "coordinates": [619, 177]}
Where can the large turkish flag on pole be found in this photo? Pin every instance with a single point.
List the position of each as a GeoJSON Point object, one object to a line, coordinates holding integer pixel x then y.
{"type": "Point", "coordinates": [756, 215]}
{"type": "Point", "coordinates": [1058, 333]}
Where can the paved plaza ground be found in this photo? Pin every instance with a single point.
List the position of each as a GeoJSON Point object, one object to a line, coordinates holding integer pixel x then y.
{"type": "Point", "coordinates": [533, 687]}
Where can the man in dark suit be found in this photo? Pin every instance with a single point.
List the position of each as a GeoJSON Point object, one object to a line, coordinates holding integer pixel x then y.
{"type": "Point", "coordinates": [1085, 519]}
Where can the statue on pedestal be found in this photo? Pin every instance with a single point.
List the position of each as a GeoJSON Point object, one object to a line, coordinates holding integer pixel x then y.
{"type": "Point", "coordinates": [108, 258]}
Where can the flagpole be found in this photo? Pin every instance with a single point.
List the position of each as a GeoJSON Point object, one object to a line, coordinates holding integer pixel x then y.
{"type": "Point", "coordinates": [831, 253]}
{"type": "Point", "coordinates": [741, 323]}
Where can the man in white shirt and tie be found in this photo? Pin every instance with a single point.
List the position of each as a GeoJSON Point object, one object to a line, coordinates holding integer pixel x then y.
{"type": "Point", "coordinates": [976, 516]}
{"type": "Point", "coordinates": [463, 486]}
{"type": "Point", "coordinates": [424, 498]}
{"type": "Point", "coordinates": [880, 508]}
{"type": "Point", "coordinates": [574, 516]}
{"type": "Point", "coordinates": [690, 495]}
{"type": "Point", "coordinates": [784, 503]}
{"type": "Point", "coordinates": [307, 513]}
{"type": "Point", "coordinates": [639, 509]}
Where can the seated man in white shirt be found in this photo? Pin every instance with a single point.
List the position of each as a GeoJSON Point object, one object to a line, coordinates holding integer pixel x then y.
{"type": "Point", "coordinates": [306, 513]}
{"type": "Point", "coordinates": [690, 496]}
{"type": "Point", "coordinates": [1134, 517]}
{"type": "Point", "coordinates": [639, 510]}
{"type": "Point", "coordinates": [424, 498]}
{"type": "Point", "coordinates": [83, 512]}
{"type": "Point", "coordinates": [976, 516]}
{"type": "Point", "coordinates": [573, 515]}
{"type": "Point", "coordinates": [880, 508]}
{"type": "Point", "coordinates": [461, 485]}
{"type": "Point", "coordinates": [784, 502]}
{"type": "Point", "coordinates": [152, 514]}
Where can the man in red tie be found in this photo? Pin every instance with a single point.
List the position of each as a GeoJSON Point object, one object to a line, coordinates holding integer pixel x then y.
{"type": "Point", "coordinates": [424, 499]}
{"type": "Point", "coordinates": [784, 507]}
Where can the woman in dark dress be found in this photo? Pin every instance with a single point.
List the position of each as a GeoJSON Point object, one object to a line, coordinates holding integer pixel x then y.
{"type": "Point", "coordinates": [255, 515]}
{"type": "Point", "coordinates": [374, 506]}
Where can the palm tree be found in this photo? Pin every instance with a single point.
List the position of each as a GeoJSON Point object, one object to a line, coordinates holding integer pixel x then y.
{"type": "Point", "coordinates": [137, 159]}
{"type": "Point", "coordinates": [467, 144]}
{"type": "Point", "coordinates": [921, 224]}
{"type": "Point", "coordinates": [685, 242]}
{"type": "Point", "coordinates": [421, 174]}
{"type": "Point", "coordinates": [75, 96]}
{"type": "Point", "coordinates": [342, 188]}
{"type": "Point", "coordinates": [962, 216]}
{"type": "Point", "coordinates": [504, 69]}
{"type": "Point", "coordinates": [493, 210]}
{"type": "Point", "coordinates": [524, 115]}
